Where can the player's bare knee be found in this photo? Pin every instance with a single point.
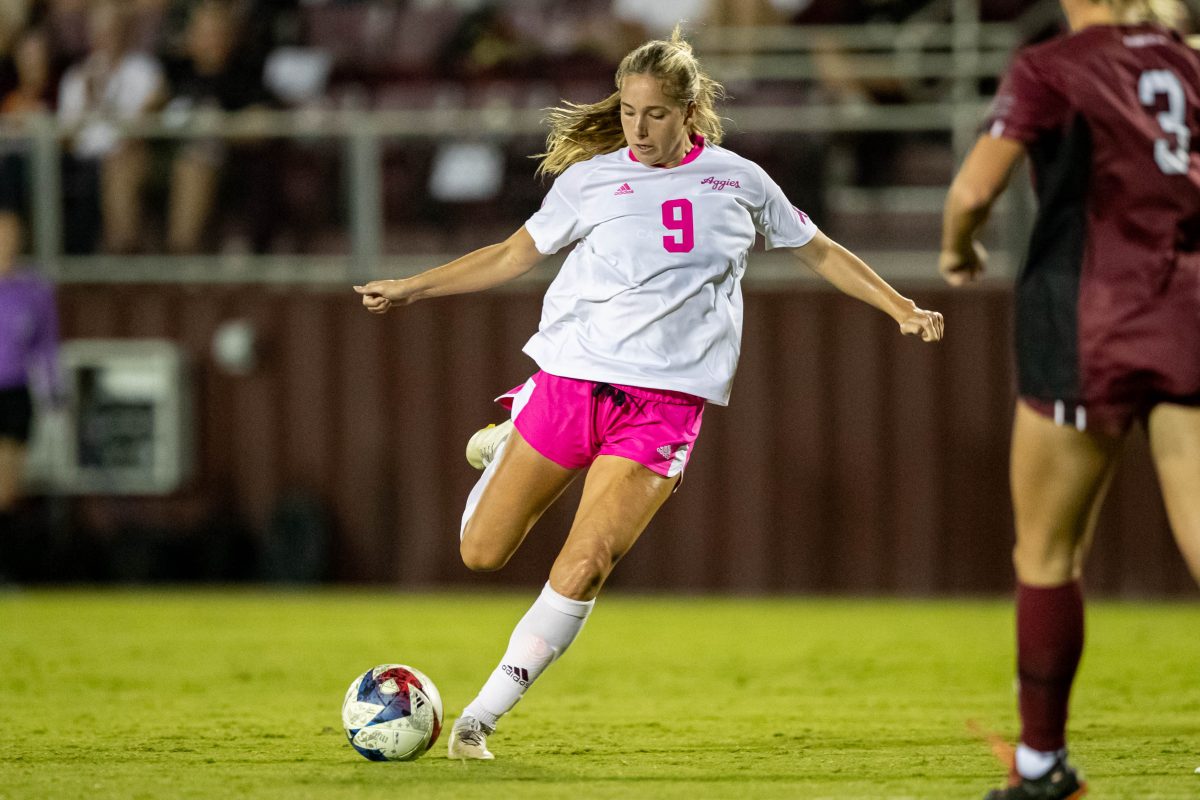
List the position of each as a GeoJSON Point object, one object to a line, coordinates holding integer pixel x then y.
{"type": "Point", "coordinates": [1045, 566]}
{"type": "Point", "coordinates": [481, 560]}
{"type": "Point", "coordinates": [479, 557]}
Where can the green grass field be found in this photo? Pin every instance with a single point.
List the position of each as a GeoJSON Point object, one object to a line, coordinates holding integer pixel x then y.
{"type": "Point", "coordinates": [216, 694]}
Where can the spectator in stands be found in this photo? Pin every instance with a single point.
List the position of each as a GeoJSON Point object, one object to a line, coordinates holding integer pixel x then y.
{"type": "Point", "coordinates": [28, 357]}
{"type": "Point", "coordinates": [486, 43]}
{"type": "Point", "coordinates": [211, 76]}
{"type": "Point", "coordinates": [117, 83]}
{"type": "Point", "coordinates": [753, 13]}
{"type": "Point", "coordinates": [29, 96]}
{"type": "Point", "coordinates": [15, 16]}
{"type": "Point", "coordinates": [639, 20]}
{"type": "Point", "coordinates": [875, 152]}
{"type": "Point", "coordinates": [31, 58]}
{"type": "Point", "coordinates": [576, 39]}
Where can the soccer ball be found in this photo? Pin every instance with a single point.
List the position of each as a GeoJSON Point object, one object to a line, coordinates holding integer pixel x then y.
{"type": "Point", "coordinates": [392, 713]}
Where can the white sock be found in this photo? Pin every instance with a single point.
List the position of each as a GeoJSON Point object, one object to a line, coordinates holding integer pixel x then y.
{"type": "Point", "coordinates": [542, 635]}
{"type": "Point", "coordinates": [1033, 764]}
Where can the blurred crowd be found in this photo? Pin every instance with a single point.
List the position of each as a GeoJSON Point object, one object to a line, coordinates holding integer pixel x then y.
{"type": "Point", "coordinates": [92, 61]}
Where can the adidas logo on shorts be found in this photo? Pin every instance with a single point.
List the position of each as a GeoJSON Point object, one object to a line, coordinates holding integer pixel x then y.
{"type": "Point", "coordinates": [665, 451]}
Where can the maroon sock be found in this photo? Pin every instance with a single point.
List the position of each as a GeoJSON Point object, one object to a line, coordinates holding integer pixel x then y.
{"type": "Point", "coordinates": [1049, 644]}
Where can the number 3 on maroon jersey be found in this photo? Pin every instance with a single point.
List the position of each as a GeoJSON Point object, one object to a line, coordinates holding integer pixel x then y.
{"type": "Point", "coordinates": [1153, 82]}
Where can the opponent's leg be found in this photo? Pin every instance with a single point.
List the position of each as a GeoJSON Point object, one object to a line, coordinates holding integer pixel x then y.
{"type": "Point", "coordinates": [619, 500]}
{"type": "Point", "coordinates": [1175, 446]}
{"type": "Point", "coordinates": [1059, 477]}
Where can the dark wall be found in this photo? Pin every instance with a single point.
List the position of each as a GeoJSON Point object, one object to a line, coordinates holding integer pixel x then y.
{"type": "Point", "coordinates": [851, 459]}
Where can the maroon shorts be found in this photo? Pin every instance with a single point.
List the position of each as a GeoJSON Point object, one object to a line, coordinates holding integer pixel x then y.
{"type": "Point", "coordinates": [571, 422]}
{"type": "Point", "coordinates": [1112, 418]}
{"type": "Point", "coordinates": [1125, 346]}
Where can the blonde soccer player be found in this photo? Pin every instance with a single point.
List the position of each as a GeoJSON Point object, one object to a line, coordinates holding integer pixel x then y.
{"type": "Point", "coordinates": [639, 331]}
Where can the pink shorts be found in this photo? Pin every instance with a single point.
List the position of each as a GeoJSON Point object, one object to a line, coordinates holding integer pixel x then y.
{"type": "Point", "coordinates": [571, 422]}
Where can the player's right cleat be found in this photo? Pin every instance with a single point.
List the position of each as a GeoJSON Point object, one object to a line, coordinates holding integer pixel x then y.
{"type": "Point", "coordinates": [1060, 783]}
{"type": "Point", "coordinates": [484, 444]}
{"type": "Point", "coordinates": [468, 740]}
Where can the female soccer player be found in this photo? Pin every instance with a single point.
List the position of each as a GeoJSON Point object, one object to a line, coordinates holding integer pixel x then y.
{"type": "Point", "coordinates": [1107, 320]}
{"type": "Point", "coordinates": [640, 329]}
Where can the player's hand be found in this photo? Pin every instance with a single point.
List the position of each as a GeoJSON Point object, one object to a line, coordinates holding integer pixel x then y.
{"type": "Point", "coordinates": [962, 268]}
{"type": "Point", "coordinates": [379, 296]}
{"type": "Point", "coordinates": [928, 324]}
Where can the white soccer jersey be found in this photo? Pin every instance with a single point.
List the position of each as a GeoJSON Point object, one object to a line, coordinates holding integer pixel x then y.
{"type": "Point", "coordinates": [651, 295]}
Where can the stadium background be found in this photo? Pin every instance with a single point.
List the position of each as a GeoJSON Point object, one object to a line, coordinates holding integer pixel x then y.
{"type": "Point", "coordinates": [318, 443]}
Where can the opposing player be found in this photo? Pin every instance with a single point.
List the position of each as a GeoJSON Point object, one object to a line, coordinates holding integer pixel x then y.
{"type": "Point", "coordinates": [639, 331]}
{"type": "Point", "coordinates": [1107, 320]}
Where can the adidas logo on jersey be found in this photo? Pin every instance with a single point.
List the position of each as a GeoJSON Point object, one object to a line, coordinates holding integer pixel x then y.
{"type": "Point", "coordinates": [623, 189]}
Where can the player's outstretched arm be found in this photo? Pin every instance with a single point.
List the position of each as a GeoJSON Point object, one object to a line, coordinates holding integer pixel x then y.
{"type": "Point", "coordinates": [982, 178]}
{"type": "Point", "coordinates": [482, 269]}
{"type": "Point", "coordinates": [853, 277]}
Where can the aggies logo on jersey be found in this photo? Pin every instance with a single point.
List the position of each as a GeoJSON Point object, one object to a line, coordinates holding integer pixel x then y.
{"type": "Point", "coordinates": [624, 188]}
{"type": "Point", "coordinates": [720, 183]}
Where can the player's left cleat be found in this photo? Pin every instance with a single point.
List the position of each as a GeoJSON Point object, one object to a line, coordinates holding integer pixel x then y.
{"type": "Point", "coordinates": [468, 740]}
{"type": "Point", "coordinates": [485, 443]}
{"type": "Point", "coordinates": [1062, 782]}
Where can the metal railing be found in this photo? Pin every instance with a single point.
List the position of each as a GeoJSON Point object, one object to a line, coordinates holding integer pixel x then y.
{"type": "Point", "coordinates": [955, 54]}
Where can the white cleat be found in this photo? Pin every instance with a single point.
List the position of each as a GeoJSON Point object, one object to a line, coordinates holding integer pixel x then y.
{"type": "Point", "coordinates": [468, 740]}
{"type": "Point", "coordinates": [484, 444]}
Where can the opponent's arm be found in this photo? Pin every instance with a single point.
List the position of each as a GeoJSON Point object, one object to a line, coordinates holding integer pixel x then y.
{"type": "Point", "coordinates": [482, 269]}
{"type": "Point", "coordinates": [850, 275]}
{"type": "Point", "coordinates": [982, 178]}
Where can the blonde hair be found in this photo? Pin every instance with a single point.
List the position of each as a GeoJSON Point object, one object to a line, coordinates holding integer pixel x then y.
{"type": "Point", "coordinates": [1162, 12]}
{"type": "Point", "coordinates": [581, 131]}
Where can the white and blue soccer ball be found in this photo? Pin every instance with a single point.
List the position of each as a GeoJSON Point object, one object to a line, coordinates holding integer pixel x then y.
{"type": "Point", "coordinates": [392, 713]}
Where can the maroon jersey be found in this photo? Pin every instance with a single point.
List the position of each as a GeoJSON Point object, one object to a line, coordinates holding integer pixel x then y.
{"type": "Point", "coordinates": [1108, 300]}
